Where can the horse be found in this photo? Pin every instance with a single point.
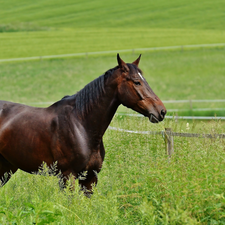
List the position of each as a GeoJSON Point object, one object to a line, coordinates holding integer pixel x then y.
{"type": "Point", "coordinates": [70, 131]}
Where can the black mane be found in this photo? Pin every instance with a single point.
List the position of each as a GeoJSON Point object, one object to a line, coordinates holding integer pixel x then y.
{"type": "Point", "coordinates": [86, 98]}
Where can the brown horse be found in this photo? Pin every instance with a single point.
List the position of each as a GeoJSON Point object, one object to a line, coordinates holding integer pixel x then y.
{"type": "Point", "coordinates": [70, 131]}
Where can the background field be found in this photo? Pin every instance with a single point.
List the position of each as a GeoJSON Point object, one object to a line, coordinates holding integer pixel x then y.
{"type": "Point", "coordinates": [76, 26]}
{"type": "Point", "coordinates": [138, 184]}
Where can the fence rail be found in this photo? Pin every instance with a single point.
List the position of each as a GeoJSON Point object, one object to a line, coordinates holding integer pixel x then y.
{"type": "Point", "coordinates": [174, 134]}
{"type": "Point", "coordinates": [168, 135]}
{"type": "Point", "coordinates": [182, 47]}
{"type": "Point", "coordinates": [179, 117]}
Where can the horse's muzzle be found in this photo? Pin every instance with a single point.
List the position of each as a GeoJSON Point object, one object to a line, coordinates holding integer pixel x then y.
{"type": "Point", "coordinates": [160, 117]}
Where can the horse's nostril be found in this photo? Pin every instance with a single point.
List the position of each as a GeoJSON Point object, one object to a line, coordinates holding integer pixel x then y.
{"type": "Point", "coordinates": [163, 113]}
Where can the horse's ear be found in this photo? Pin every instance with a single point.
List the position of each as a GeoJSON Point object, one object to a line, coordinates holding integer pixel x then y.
{"type": "Point", "coordinates": [122, 64]}
{"type": "Point", "coordinates": [136, 62]}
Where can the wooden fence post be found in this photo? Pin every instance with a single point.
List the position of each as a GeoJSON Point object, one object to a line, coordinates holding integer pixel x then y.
{"type": "Point", "coordinates": [169, 141]}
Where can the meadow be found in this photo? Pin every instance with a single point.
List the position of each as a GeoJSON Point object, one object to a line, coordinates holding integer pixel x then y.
{"type": "Point", "coordinates": [138, 183]}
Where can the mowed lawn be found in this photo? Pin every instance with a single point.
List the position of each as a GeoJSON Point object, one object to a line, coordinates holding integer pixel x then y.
{"type": "Point", "coordinates": [67, 41]}
{"type": "Point", "coordinates": [55, 27]}
{"type": "Point", "coordinates": [203, 14]}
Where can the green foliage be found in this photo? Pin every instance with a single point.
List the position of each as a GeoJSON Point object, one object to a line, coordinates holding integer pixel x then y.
{"type": "Point", "coordinates": [33, 214]}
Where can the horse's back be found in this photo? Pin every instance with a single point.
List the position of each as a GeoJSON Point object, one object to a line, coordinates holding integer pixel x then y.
{"type": "Point", "coordinates": [10, 111]}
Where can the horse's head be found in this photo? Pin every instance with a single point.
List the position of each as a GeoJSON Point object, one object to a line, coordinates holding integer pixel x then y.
{"type": "Point", "coordinates": [135, 93]}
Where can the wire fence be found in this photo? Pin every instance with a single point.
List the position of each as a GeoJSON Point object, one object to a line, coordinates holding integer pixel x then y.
{"type": "Point", "coordinates": [179, 117]}
{"type": "Point", "coordinates": [168, 135]}
{"type": "Point", "coordinates": [174, 134]}
{"type": "Point", "coordinates": [86, 54]}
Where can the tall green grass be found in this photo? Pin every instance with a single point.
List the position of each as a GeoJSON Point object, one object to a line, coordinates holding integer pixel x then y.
{"type": "Point", "coordinates": [138, 184]}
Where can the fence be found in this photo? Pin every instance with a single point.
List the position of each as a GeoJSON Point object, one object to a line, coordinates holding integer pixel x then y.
{"type": "Point", "coordinates": [181, 47]}
{"type": "Point", "coordinates": [168, 135]}
{"type": "Point", "coordinates": [180, 117]}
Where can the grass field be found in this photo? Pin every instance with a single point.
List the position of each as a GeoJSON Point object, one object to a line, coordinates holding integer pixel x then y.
{"type": "Point", "coordinates": [138, 184]}
{"type": "Point", "coordinates": [27, 44]}
{"type": "Point", "coordinates": [125, 14]}
{"type": "Point", "coordinates": [56, 27]}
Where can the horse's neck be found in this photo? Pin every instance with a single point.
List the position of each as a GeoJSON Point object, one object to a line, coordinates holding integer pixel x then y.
{"type": "Point", "coordinates": [100, 116]}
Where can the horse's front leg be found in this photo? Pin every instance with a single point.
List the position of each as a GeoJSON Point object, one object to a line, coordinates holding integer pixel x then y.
{"type": "Point", "coordinates": [87, 181]}
{"type": "Point", "coordinates": [89, 178]}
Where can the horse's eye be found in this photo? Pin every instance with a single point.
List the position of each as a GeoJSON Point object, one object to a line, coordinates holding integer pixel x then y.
{"type": "Point", "coordinates": [137, 83]}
